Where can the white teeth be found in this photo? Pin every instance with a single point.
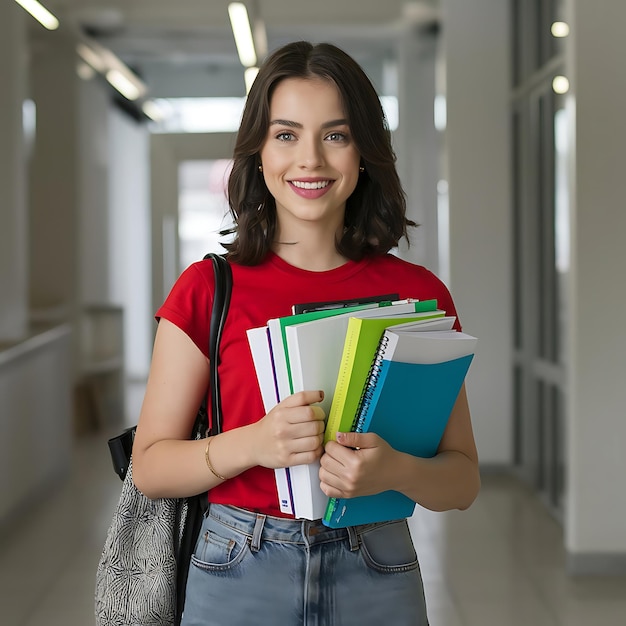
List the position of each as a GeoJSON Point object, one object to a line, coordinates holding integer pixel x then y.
{"type": "Point", "coordinates": [318, 185]}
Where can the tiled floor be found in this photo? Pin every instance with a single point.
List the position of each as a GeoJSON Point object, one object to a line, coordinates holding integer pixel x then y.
{"type": "Point", "coordinates": [498, 564]}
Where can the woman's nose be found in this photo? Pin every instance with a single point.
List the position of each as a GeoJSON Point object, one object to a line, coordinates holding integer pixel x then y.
{"type": "Point", "coordinates": [311, 154]}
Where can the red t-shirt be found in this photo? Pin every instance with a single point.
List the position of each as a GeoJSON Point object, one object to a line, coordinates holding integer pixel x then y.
{"type": "Point", "coordinates": [266, 291]}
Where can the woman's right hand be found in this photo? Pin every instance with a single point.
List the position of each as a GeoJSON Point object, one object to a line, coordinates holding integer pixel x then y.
{"type": "Point", "coordinates": [292, 433]}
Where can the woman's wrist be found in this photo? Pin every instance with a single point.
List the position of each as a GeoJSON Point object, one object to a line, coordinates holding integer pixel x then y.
{"type": "Point", "coordinates": [207, 459]}
{"type": "Point", "coordinates": [228, 454]}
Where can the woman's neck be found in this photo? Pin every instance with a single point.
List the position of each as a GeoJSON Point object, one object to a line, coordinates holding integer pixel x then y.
{"type": "Point", "coordinates": [310, 250]}
{"type": "Point", "coordinates": [308, 257]}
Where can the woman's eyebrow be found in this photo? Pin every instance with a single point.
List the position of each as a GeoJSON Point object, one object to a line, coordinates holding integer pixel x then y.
{"type": "Point", "coordinates": [339, 122]}
{"type": "Point", "coordinates": [286, 123]}
{"type": "Point", "coordinates": [291, 124]}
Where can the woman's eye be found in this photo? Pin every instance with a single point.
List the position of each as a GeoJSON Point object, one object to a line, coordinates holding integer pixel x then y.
{"type": "Point", "coordinates": [284, 136]}
{"type": "Point", "coordinates": [337, 137]}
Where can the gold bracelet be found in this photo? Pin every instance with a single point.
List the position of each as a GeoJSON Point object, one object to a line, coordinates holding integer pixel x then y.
{"type": "Point", "coordinates": [208, 460]}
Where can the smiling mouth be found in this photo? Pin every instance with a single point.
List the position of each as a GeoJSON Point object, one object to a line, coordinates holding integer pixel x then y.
{"type": "Point", "coordinates": [319, 184]}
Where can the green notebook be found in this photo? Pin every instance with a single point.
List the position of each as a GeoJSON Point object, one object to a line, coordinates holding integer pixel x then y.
{"type": "Point", "coordinates": [278, 339]}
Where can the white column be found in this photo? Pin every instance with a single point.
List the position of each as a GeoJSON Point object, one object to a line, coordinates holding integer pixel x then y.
{"type": "Point", "coordinates": [129, 198]}
{"type": "Point", "coordinates": [596, 504]}
{"type": "Point", "coordinates": [417, 143]}
{"type": "Point", "coordinates": [13, 210]}
{"type": "Point", "coordinates": [477, 142]}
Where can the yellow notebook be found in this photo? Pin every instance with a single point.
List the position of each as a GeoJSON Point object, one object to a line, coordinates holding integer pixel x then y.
{"type": "Point", "coordinates": [359, 347]}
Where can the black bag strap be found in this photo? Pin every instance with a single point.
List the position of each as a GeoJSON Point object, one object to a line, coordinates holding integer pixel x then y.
{"type": "Point", "coordinates": [219, 311]}
{"type": "Point", "coordinates": [221, 302]}
{"type": "Point", "coordinates": [196, 506]}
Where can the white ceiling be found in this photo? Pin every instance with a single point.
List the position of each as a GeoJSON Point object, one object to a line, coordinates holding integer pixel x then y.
{"type": "Point", "coordinates": [174, 34]}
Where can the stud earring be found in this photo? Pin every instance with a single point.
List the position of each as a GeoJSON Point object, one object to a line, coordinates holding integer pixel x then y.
{"type": "Point", "coordinates": [261, 168]}
{"type": "Point", "coordinates": [361, 169]}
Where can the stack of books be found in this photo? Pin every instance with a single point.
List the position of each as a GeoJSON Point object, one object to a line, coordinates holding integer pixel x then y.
{"type": "Point", "coordinates": [390, 367]}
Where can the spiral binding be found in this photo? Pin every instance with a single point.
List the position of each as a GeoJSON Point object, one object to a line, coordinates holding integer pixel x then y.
{"type": "Point", "coordinates": [370, 384]}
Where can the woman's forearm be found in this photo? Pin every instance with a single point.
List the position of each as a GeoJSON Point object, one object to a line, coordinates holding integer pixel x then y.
{"type": "Point", "coordinates": [449, 480]}
{"type": "Point", "coordinates": [174, 468]}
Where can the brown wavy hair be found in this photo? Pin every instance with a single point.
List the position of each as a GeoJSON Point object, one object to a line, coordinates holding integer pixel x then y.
{"type": "Point", "coordinates": [375, 217]}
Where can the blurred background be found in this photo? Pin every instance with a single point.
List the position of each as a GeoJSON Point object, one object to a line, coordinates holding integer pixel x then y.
{"type": "Point", "coordinates": [117, 123]}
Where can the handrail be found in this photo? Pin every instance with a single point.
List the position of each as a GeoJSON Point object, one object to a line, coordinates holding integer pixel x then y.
{"type": "Point", "coordinates": [13, 351]}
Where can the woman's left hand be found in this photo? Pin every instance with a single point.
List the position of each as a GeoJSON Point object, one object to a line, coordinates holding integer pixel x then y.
{"type": "Point", "coordinates": [357, 464]}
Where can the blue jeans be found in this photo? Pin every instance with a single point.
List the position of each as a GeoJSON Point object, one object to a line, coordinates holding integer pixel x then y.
{"type": "Point", "coordinates": [251, 569]}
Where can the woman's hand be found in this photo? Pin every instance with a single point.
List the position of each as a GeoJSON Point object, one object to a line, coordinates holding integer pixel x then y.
{"type": "Point", "coordinates": [292, 433]}
{"type": "Point", "coordinates": [357, 464]}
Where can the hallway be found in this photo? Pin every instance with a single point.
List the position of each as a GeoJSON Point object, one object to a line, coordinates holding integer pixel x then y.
{"type": "Point", "coordinates": [511, 164]}
{"type": "Point", "coordinates": [498, 564]}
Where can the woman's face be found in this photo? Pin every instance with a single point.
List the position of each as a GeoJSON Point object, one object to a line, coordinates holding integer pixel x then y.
{"type": "Point", "coordinates": [310, 162]}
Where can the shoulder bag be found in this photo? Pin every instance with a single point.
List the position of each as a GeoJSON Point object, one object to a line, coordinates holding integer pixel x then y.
{"type": "Point", "coordinates": [142, 573]}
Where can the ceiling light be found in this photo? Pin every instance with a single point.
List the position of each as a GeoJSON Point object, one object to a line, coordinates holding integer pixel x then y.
{"type": "Point", "coordinates": [560, 84]}
{"type": "Point", "coordinates": [440, 112]}
{"type": "Point", "coordinates": [40, 13]}
{"type": "Point", "coordinates": [117, 73]}
{"type": "Point", "coordinates": [249, 75]}
{"type": "Point", "coordinates": [91, 57]}
{"type": "Point", "coordinates": [560, 29]}
{"type": "Point", "coordinates": [153, 110]}
{"type": "Point", "coordinates": [123, 84]}
{"type": "Point", "coordinates": [243, 33]}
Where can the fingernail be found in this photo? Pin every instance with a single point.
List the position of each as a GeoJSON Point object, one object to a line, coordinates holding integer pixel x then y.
{"type": "Point", "coordinates": [321, 395]}
{"type": "Point", "coordinates": [341, 437]}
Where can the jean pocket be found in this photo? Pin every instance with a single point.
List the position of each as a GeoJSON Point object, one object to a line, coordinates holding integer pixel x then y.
{"type": "Point", "coordinates": [388, 547]}
{"type": "Point", "coordinates": [216, 551]}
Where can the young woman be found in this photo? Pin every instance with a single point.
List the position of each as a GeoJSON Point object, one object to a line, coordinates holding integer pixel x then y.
{"type": "Point", "coordinates": [317, 205]}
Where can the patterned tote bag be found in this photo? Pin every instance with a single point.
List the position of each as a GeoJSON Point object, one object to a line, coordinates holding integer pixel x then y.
{"type": "Point", "coordinates": [142, 573]}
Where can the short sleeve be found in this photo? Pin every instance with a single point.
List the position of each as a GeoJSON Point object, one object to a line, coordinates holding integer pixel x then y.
{"type": "Point", "coordinates": [189, 303]}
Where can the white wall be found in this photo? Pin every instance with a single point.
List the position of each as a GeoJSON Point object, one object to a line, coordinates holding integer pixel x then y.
{"type": "Point", "coordinates": [35, 368]}
{"type": "Point", "coordinates": [476, 51]}
{"type": "Point", "coordinates": [475, 48]}
{"type": "Point", "coordinates": [54, 266]}
{"type": "Point", "coordinates": [90, 182]}
{"type": "Point", "coordinates": [91, 179]}
{"type": "Point", "coordinates": [13, 214]}
{"type": "Point", "coordinates": [129, 233]}
{"type": "Point", "coordinates": [596, 507]}
{"type": "Point", "coordinates": [417, 143]}
{"type": "Point", "coordinates": [35, 419]}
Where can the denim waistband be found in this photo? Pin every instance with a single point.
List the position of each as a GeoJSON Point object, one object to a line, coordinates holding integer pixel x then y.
{"type": "Point", "coordinates": [259, 527]}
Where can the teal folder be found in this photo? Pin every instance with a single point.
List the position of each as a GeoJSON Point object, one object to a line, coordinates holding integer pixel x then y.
{"type": "Point", "coordinates": [408, 405]}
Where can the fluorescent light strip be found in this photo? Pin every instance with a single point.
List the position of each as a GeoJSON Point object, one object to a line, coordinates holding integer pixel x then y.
{"type": "Point", "coordinates": [243, 33]}
{"type": "Point", "coordinates": [125, 86]}
{"type": "Point", "coordinates": [152, 110]}
{"type": "Point", "coordinates": [117, 73]}
{"type": "Point", "coordinates": [249, 75]}
{"type": "Point", "coordinates": [117, 67]}
{"type": "Point", "coordinates": [91, 57]}
{"type": "Point", "coordinates": [40, 13]}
